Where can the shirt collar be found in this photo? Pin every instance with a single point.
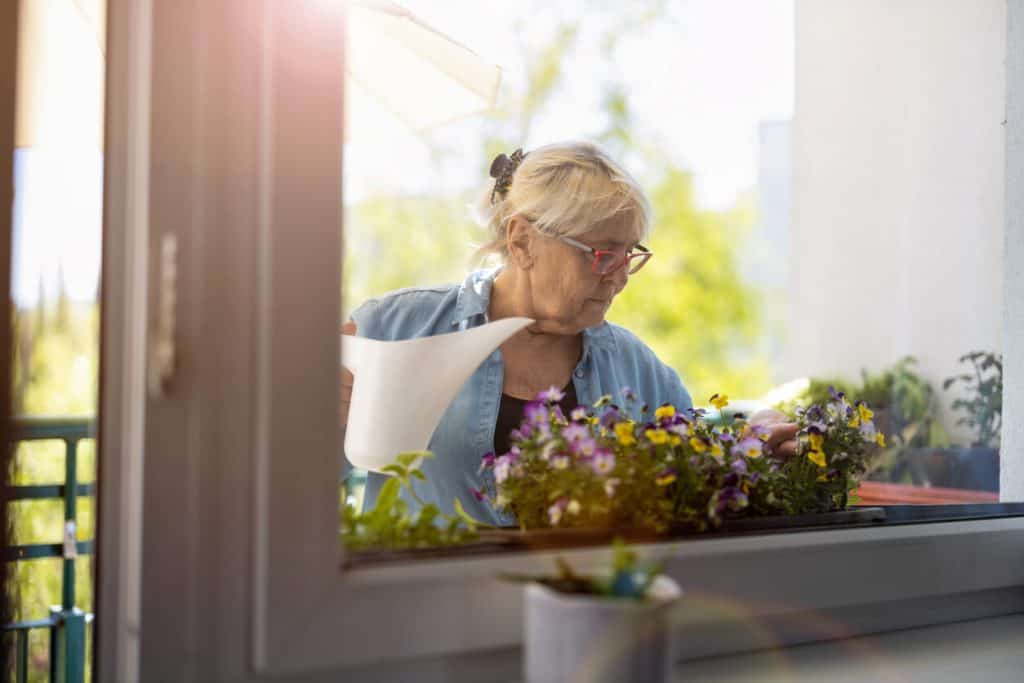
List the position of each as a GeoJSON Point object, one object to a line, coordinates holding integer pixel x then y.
{"type": "Point", "coordinates": [475, 296]}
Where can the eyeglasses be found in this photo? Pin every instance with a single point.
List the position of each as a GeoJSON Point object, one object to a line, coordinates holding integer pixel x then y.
{"type": "Point", "coordinates": [607, 262]}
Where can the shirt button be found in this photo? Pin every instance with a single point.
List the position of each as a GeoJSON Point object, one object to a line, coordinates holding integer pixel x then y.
{"type": "Point", "coordinates": [578, 373]}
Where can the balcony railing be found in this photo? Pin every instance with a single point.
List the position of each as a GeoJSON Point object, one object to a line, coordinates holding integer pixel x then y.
{"type": "Point", "coordinates": [66, 623]}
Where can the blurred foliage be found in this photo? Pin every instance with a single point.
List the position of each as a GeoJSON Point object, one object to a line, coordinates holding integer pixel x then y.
{"type": "Point", "coordinates": [906, 407]}
{"type": "Point", "coordinates": [55, 372]}
{"type": "Point", "coordinates": [983, 404]}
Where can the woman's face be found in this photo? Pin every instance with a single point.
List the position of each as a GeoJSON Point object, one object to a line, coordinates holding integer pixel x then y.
{"type": "Point", "coordinates": [567, 296]}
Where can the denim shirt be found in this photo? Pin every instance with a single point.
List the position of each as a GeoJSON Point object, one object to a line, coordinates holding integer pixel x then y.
{"type": "Point", "coordinates": [613, 358]}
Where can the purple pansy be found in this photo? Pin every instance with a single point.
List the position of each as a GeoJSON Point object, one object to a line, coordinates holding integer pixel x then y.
{"type": "Point", "coordinates": [575, 432]}
{"type": "Point", "coordinates": [603, 461]}
{"type": "Point", "coordinates": [551, 395]}
{"type": "Point", "coordinates": [610, 417]}
{"type": "Point", "coordinates": [583, 447]}
{"type": "Point", "coordinates": [556, 510]}
{"type": "Point", "coordinates": [536, 413]}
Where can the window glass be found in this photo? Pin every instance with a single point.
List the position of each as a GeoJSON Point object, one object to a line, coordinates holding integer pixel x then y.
{"type": "Point", "coordinates": [827, 204]}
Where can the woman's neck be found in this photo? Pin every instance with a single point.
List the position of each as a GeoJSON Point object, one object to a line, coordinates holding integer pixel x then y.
{"type": "Point", "coordinates": [511, 296]}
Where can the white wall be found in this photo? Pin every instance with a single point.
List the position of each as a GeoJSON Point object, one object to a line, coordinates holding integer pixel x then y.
{"type": "Point", "coordinates": [1011, 485]}
{"type": "Point", "coordinates": [898, 184]}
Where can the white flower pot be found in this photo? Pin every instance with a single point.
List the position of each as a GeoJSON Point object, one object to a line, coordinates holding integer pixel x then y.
{"type": "Point", "coordinates": [588, 638]}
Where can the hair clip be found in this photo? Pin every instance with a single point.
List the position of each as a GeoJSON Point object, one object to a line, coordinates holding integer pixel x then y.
{"type": "Point", "coordinates": [502, 169]}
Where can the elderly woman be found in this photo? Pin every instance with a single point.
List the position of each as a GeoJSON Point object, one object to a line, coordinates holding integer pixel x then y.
{"type": "Point", "coordinates": [567, 224]}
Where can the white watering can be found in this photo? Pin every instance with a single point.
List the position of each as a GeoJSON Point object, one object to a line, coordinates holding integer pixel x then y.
{"type": "Point", "coordinates": [402, 388]}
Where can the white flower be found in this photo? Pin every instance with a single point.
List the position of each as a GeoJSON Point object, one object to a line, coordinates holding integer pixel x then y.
{"type": "Point", "coordinates": [501, 468]}
{"type": "Point", "coordinates": [573, 508]}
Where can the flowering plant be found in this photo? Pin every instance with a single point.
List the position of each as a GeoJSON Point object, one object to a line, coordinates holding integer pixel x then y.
{"type": "Point", "coordinates": [597, 467]}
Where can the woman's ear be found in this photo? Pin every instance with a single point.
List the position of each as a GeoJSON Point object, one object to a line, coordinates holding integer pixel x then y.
{"type": "Point", "coordinates": [520, 242]}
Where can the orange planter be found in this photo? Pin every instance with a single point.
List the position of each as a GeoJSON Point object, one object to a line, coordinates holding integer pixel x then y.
{"type": "Point", "coordinates": [881, 493]}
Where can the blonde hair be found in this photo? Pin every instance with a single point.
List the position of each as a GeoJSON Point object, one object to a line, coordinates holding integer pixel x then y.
{"type": "Point", "coordinates": [564, 189]}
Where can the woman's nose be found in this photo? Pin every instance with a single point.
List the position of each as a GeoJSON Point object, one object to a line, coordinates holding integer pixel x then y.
{"type": "Point", "coordinates": [619, 277]}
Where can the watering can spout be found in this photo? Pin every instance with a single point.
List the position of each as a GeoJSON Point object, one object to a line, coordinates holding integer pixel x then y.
{"type": "Point", "coordinates": [401, 389]}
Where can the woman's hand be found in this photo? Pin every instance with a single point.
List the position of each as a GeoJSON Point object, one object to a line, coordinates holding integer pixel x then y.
{"type": "Point", "coordinates": [782, 433]}
{"type": "Point", "coordinates": [346, 378]}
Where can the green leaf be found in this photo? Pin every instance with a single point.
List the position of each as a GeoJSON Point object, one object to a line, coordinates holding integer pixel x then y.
{"type": "Point", "coordinates": [396, 470]}
{"type": "Point", "coordinates": [468, 519]}
{"type": "Point", "coordinates": [410, 458]}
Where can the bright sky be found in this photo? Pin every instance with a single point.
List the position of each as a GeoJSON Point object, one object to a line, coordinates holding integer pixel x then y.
{"type": "Point", "coordinates": [699, 82]}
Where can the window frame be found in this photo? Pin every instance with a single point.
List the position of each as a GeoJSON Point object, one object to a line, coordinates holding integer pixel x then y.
{"type": "Point", "coordinates": [241, 570]}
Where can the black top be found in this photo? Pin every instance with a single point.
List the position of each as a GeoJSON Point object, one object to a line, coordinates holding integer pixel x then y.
{"type": "Point", "coordinates": [510, 415]}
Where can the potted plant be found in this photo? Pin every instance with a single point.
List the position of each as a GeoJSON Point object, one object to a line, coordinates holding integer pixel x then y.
{"type": "Point", "coordinates": [672, 470]}
{"type": "Point", "coordinates": [904, 403]}
{"type": "Point", "coordinates": [613, 626]}
{"type": "Point", "coordinates": [980, 404]}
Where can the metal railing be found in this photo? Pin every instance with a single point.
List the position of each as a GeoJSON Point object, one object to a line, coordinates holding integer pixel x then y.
{"type": "Point", "coordinates": [66, 623]}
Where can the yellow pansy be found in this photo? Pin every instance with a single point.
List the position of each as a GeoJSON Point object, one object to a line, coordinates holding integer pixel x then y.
{"type": "Point", "coordinates": [817, 457]}
{"type": "Point", "coordinates": [698, 444]}
{"type": "Point", "coordinates": [817, 441]}
{"type": "Point", "coordinates": [865, 412]}
{"type": "Point", "coordinates": [665, 478]}
{"type": "Point", "coordinates": [624, 433]}
{"type": "Point", "coordinates": [719, 401]}
{"type": "Point", "coordinates": [664, 412]}
{"type": "Point", "coordinates": [854, 422]}
{"type": "Point", "coordinates": [716, 450]}
{"type": "Point", "coordinates": [674, 440]}
{"type": "Point", "coordinates": [657, 436]}
{"type": "Point", "coordinates": [880, 439]}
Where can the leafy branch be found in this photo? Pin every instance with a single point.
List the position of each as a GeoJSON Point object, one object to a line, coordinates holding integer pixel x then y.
{"type": "Point", "coordinates": [389, 523]}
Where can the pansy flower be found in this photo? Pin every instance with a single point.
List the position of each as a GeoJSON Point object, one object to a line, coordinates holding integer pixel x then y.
{"type": "Point", "coordinates": [573, 508]}
{"type": "Point", "coordinates": [610, 485]}
{"type": "Point", "coordinates": [603, 461]}
{"type": "Point", "coordinates": [680, 429]}
{"type": "Point", "coordinates": [487, 461]}
{"type": "Point", "coordinates": [609, 417]}
{"type": "Point", "coordinates": [575, 432]}
{"type": "Point", "coordinates": [716, 450]}
{"type": "Point", "coordinates": [560, 461]}
{"type": "Point", "coordinates": [583, 447]}
{"type": "Point", "coordinates": [502, 466]}
{"type": "Point", "coordinates": [750, 447]}
{"type": "Point", "coordinates": [578, 414]}
{"type": "Point", "coordinates": [628, 394]}
{"type": "Point", "coordinates": [665, 477]}
{"type": "Point", "coordinates": [699, 444]}
{"type": "Point", "coordinates": [719, 401]}
{"type": "Point", "coordinates": [657, 436]}
{"type": "Point", "coordinates": [556, 510]}
{"type": "Point", "coordinates": [551, 395]}
{"type": "Point", "coordinates": [624, 433]}
{"type": "Point", "coordinates": [536, 413]}
{"type": "Point", "coordinates": [665, 412]}
{"type": "Point", "coordinates": [817, 457]}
